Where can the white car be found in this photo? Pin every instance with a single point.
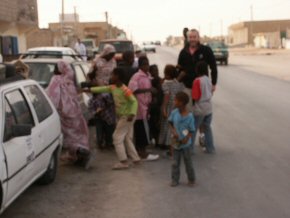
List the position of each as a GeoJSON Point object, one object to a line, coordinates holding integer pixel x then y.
{"type": "Point", "coordinates": [30, 137]}
{"type": "Point", "coordinates": [51, 52]}
{"type": "Point", "coordinates": [149, 46]}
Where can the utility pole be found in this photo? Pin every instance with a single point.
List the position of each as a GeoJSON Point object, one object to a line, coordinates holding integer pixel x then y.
{"type": "Point", "coordinates": [252, 25]}
{"type": "Point", "coordinates": [62, 22]}
{"type": "Point", "coordinates": [107, 22]}
{"type": "Point", "coordinates": [75, 21]}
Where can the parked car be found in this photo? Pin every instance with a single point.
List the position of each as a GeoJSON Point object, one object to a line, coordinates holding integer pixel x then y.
{"type": "Point", "coordinates": [149, 47]}
{"type": "Point", "coordinates": [28, 151]}
{"type": "Point", "coordinates": [51, 52]}
{"type": "Point", "coordinates": [42, 70]}
{"type": "Point", "coordinates": [121, 45]}
{"type": "Point", "coordinates": [220, 51]}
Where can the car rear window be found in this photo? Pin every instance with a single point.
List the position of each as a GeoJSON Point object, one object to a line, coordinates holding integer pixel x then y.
{"type": "Point", "coordinates": [119, 46]}
{"type": "Point", "coordinates": [41, 72]}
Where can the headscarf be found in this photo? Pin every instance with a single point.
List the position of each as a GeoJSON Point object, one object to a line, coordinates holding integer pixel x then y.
{"type": "Point", "coordinates": [63, 92]}
{"type": "Point", "coordinates": [108, 49]}
{"type": "Point", "coordinates": [65, 69]}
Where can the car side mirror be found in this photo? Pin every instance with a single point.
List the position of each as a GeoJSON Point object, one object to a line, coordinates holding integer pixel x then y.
{"type": "Point", "coordinates": [20, 130]}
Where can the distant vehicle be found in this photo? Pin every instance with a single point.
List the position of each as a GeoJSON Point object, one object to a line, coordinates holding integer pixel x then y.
{"type": "Point", "coordinates": [149, 47]}
{"type": "Point", "coordinates": [31, 138]}
{"type": "Point", "coordinates": [158, 43]}
{"type": "Point", "coordinates": [137, 48]}
{"type": "Point", "coordinates": [51, 52]}
{"type": "Point", "coordinates": [220, 51]}
{"type": "Point", "coordinates": [121, 45]}
{"type": "Point", "coordinates": [91, 47]}
{"type": "Point", "coordinates": [41, 70]}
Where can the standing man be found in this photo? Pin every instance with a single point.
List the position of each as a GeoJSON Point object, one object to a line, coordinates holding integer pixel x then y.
{"type": "Point", "coordinates": [192, 53]}
{"type": "Point", "coordinates": [80, 48]}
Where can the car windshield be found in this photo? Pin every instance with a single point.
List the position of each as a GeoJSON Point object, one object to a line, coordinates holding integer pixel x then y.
{"type": "Point", "coordinates": [119, 46]}
{"type": "Point", "coordinates": [41, 72]}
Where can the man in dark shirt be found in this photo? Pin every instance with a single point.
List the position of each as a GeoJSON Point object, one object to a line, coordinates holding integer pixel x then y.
{"type": "Point", "coordinates": [193, 53]}
{"type": "Point", "coordinates": [189, 56]}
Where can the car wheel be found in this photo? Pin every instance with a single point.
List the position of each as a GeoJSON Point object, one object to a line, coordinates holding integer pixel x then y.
{"type": "Point", "coordinates": [226, 62]}
{"type": "Point", "coordinates": [50, 174]}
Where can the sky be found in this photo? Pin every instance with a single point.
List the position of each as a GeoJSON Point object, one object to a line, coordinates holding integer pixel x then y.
{"type": "Point", "coordinates": [145, 20]}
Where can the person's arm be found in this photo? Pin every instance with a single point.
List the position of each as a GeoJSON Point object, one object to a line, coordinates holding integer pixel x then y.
{"type": "Point", "coordinates": [173, 130]}
{"type": "Point", "coordinates": [213, 68]}
{"type": "Point", "coordinates": [101, 89]}
{"type": "Point", "coordinates": [181, 66]}
{"type": "Point", "coordinates": [191, 129]}
{"type": "Point", "coordinates": [133, 106]}
{"type": "Point", "coordinates": [196, 90]}
{"type": "Point", "coordinates": [142, 91]}
{"type": "Point", "coordinates": [164, 105]}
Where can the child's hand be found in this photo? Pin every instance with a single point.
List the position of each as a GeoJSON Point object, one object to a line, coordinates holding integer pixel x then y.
{"type": "Point", "coordinates": [130, 118]}
{"type": "Point", "coordinates": [185, 140]}
{"type": "Point", "coordinates": [165, 115]}
{"type": "Point", "coordinates": [87, 90]}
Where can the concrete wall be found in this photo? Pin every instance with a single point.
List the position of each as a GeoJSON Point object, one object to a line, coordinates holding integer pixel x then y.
{"type": "Point", "coordinates": [19, 11]}
{"type": "Point", "coordinates": [39, 38]}
{"type": "Point", "coordinates": [17, 18]}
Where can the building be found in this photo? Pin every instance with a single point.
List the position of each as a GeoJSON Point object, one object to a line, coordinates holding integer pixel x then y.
{"type": "Point", "coordinates": [83, 30]}
{"type": "Point", "coordinates": [17, 18]}
{"type": "Point", "coordinates": [68, 29]}
{"type": "Point", "coordinates": [247, 33]}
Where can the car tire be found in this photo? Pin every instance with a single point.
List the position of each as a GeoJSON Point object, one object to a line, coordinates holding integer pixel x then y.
{"type": "Point", "coordinates": [49, 176]}
{"type": "Point", "coordinates": [226, 62]}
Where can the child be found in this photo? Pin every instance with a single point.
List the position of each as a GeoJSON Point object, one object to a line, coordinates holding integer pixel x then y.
{"type": "Point", "coordinates": [141, 86]}
{"type": "Point", "coordinates": [102, 105]}
{"type": "Point", "coordinates": [156, 104]}
{"type": "Point", "coordinates": [126, 109]}
{"type": "Point", "coordinates": [202, 109]}
{"type": "Point", "coordinates": [170, 87]}
{"type": "Point", "coordinates": [182, 126]}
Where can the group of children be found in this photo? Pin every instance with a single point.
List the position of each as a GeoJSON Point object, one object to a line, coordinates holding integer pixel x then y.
{"type": "Point", "coordinates": [171, 124]}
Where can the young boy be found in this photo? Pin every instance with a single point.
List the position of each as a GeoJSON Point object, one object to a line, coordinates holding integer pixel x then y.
{"type": "Point", "coordinates": [182, 126]}
{"type": "Point", "coordinates": [126, 109]}
{"type": "Point", "coordinates": [202, 109]}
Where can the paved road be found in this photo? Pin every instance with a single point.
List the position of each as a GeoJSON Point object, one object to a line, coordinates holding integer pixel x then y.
{"type": "Point", "coordinates": [248, 177]}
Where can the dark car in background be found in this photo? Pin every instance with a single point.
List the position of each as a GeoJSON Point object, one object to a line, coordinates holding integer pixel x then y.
{"type": "Point", "coordinates": [121, 45]}
{"type": "Point", "coordinates": [220, 50]}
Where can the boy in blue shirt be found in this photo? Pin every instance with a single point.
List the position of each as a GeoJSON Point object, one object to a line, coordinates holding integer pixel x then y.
{"type": "Point", "coordinates": [182, 125]}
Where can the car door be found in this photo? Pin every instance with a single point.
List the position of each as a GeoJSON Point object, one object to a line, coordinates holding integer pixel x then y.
{"type": "Point", "coordinates": [45, 121]}
{"type": "Point", "coordinates": [19, 151]}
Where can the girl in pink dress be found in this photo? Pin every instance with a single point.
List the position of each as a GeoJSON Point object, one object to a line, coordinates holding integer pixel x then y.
{"type": "Point", "coordinates": [63, 93]}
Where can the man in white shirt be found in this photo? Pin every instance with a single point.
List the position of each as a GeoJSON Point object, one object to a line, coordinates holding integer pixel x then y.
{"type": "Point", "coordinates": [80, 48]}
